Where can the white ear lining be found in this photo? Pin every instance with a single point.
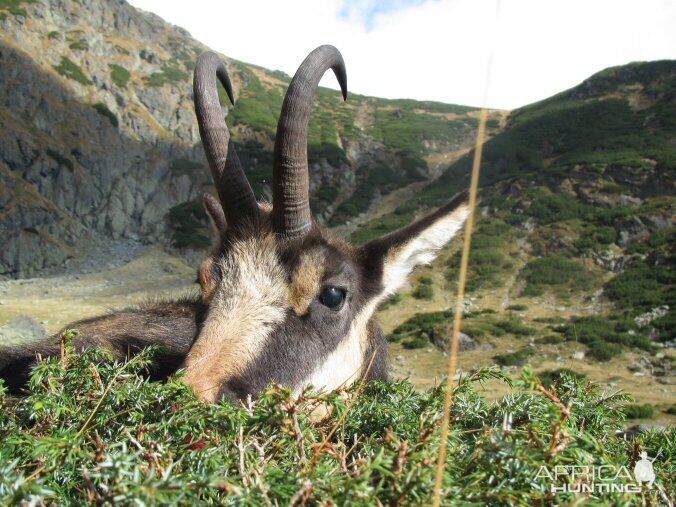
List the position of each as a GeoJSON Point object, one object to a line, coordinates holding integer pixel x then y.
{"type": "Point", "coordinates": [421, 249]}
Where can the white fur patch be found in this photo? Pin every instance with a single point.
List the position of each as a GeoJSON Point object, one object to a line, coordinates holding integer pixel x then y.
{"type": "Point", "coordinates": [343, 366]}
{"type": "Point", "coordinates": [422, 249]}
{"type": "Point", "coordinates": [247, 305]}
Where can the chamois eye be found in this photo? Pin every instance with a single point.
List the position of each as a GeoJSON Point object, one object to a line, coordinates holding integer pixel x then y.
{"type": "Point", "coordinates": [332, 297]}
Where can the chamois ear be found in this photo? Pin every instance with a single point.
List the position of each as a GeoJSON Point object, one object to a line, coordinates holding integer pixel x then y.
{"type": "Point", "coordinates": [215, 212]}
{"type": "Point", "coordinates": [391, 258]}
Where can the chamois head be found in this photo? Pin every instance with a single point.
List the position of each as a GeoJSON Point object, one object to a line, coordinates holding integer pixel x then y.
{"type": "Point", "coordinates": [287, 302]}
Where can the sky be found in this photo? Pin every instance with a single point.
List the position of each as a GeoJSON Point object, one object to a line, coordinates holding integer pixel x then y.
{"type": "Point", "coordinates": [501, 54]}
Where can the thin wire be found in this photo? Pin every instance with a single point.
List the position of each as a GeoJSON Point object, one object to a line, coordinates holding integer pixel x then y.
{"type": "Point", "coordinates": [460, 301]}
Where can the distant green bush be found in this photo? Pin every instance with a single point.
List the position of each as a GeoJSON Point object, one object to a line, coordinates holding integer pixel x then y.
{"type": "Point", "coordinates": [518, 308]}
{"type": "Point", "coordinates": [187, 222]}
{"type": "Point", "coordinates": [169, 74]}
{"type": "Point", "coordinates": [515, 326]}
{"type": "Point", "coordinates": [423, 291]}
{"type": "Point", "coordinates": [80, 45]}
{"type": "Point", "coordinates": [119, 75]}
{"type": "Point", "coordinates": [518, 358]}
{"type": "Point", "coordinates": [550, 339]}
{"type": "Point", "coordinates": [605, 338]}
{"type": "Point", "coordinates": [635, 411]}
{"type": "Point", "coordinates": [432, 327]}
{"type": "Point", "coordinates": [417, 342]}
{"type": "Point", "coordinates": [642, 287]}
{"type": "Point", "coordinates": [103, 110]}
{"type": "Point", "coordinates": [71, 70]}
{"type": "Point", "coordinates": [54, 34]}
{"type": "Point", "coordinates": [553, 270]}
{"type": "Point", "coordinates": [596, 238]}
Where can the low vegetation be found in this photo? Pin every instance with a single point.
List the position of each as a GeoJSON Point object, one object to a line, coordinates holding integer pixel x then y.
{"type": "Point", "coordinates": [103, 110]}
{"type": "Point", "coordinates": [606, 338]}
{"type": "Point", "coordinates": [69, 69]}
{"type": "Point", "coordinates": [555, 272]}
{"type": "Point", "coordinates": [170, 73]}
{"type": "Point", "coordinates": [119, 75]}
{"type": "Point", "coordinates": [90, 432]}
{"type": "Point", "coordinates": [14, 7]}
{"type": "Point", "coordinates": [188, 225]}
{"type": "Point", "coordinates": [424, 290]}
{"type": "Point", "coordinates": [517, 358]}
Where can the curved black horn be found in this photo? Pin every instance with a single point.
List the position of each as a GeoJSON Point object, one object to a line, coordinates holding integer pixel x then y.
{"type": "Point", "coordinates": [291, 182]}
{"type": "Point", "coordinates": [234, 191]}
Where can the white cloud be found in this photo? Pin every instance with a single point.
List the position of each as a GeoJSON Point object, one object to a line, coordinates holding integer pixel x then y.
{"type": "Point", "coordinates": [438, 50]}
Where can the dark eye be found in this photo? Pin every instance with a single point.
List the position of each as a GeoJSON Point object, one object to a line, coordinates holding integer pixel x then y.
{"type": "Point", "coordinates": [332, 297]}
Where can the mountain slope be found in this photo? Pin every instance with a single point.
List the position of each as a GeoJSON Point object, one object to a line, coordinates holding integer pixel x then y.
{"type": "Point", "coordinates": [574, 246]}
{"type": "Point", "coordinates": [100, 140]}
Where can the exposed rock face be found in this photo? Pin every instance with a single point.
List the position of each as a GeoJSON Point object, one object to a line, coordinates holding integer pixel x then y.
{"type": "Point", "coordinates": [87, 154]}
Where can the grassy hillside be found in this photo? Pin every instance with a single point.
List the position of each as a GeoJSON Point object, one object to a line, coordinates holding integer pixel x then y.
{"type": "Point", "coordinates": [574, 245]}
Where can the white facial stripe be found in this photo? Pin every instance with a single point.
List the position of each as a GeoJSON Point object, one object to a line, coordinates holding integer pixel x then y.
{"type": "Point", "coordinates": [422, 249]}
{"type": "Point", "coordinates": [343, 366]}
{"type": "Point", "coordinates": [248, 304]}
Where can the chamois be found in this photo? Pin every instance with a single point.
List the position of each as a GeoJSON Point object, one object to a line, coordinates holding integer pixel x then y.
{"type": "Point", "coordinates": [281, 299]}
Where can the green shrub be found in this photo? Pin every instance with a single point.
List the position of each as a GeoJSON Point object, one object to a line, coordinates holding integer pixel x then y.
{"type": "Point", "coordinates": [54, 34]}
{"type": "Point", "coordinates": [103, 110]}
{"type": "Point", "coordinates": [635, 411]}
{"type": "Point", "coordinates": [516, 327]}
{"type": "Point", "coordinates": [604, 337]}
{"type": "Point", "coordinates": [603, 350]}
{"type": "Point", "coordinates": [80, 45]}
{"type": "Point", "coordinates": [169, 74]}
{"type": "Point", "coordinates": [553, 270]}
{"type": "Point", "coordinates": [642, 287]}
{"type": "Point", "coordinates": [596, 238]}
{"type": "Point", "coordinates": [104, 434]}
{"type": "Point", "coordinates": [417, 342]}
{"type": "Point", "coordinates": [518, 358]}
{"type": "Point", "coordinates": [119, 75]}
{"type": "Point", "coordinates": [187, 221]}
{"type": "Point", "coordinates": [550, 339]}
{"type": "Point", "coordinates": [71, 70]}
{"type": "Point", "coordinates": [518, 308]}
{"type": "Point", "coordinates": [423, 292]}
{"type": "Point", "coordinates": [434, 326]}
